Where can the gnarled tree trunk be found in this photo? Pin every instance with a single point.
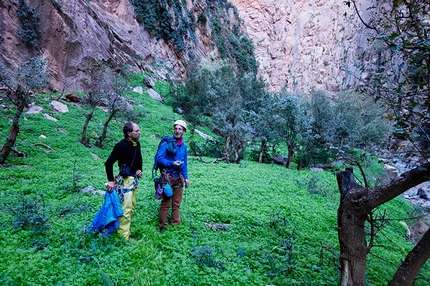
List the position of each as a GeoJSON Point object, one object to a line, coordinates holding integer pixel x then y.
{"type": "Point", "coordinates": [290, 146]}
{"type": "Point", "coordinates": [356, 204]}
{"type": "Point", "coordinates": [351, 216]}
{"type": "Point", "coordinates": [413, 262]}
{"type": "Point", "coordinates": [14, 129]}
{"type": "Point", "coordinates": [84, 140]}
{"type": "Point", "coordinates": [102, 137]}
{"type": "Point", "coordinates": [227, 149]}
{"type": "Point", "coordinates": [263, 147]}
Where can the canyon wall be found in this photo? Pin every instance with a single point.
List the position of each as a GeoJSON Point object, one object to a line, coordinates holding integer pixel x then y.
{"type": "Point", "coordinates": [306, 44]}
{"type": "Point", "coordinates": [298, 44]}
{"type": "Point", "coordinates": [74, 32]}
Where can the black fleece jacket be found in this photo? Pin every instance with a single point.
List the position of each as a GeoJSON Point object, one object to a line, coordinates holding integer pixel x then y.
{"type": "Point", "coordinates": [123, 153]}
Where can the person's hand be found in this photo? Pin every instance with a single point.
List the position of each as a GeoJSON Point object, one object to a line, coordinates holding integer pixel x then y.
{"type": "Point", "coordinates": [178, 163]}
{"type": "Point", "coordinates": [110, 186]}
{"type": "Point", "coordinates": [187, 183]}
{"type": "Point", "coordinates": [139, 173]}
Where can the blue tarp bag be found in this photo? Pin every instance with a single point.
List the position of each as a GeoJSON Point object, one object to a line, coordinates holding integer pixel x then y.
{"type": "Point", "coordinates": [106, 220]}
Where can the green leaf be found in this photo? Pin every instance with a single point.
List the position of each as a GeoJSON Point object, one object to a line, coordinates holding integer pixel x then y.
{"type": "Point", "coordinates": [105, 279]}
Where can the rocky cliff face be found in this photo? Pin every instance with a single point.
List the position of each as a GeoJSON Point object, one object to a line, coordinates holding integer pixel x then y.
{"type": "Point", "coordinates": [305, 44]}
{"type": "Point", "coordinates": [299, 44]}
{"type": "Point", "coordinates": [73, 32]}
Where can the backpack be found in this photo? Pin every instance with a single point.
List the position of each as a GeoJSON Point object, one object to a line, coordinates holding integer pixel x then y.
{"type": "Point", "coordinates": [158, 182]}
{"type": "Point", "coordinates": [172, 146]}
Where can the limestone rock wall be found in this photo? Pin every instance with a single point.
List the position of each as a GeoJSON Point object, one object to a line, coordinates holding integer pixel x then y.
{"type": "Point", "coordinates": [300, 44]}
{"type": "Point", "coordinates": [305, 44]}
{"type": "Point", "coordinates": [78, 30]}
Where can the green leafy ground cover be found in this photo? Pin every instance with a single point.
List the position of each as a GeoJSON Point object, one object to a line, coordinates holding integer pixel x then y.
{"type": "Point", "coordinates": [247, 224]}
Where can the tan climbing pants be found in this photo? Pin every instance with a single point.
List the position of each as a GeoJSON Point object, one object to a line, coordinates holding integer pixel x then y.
{"type": "Point", "coordinates": [128, 205]}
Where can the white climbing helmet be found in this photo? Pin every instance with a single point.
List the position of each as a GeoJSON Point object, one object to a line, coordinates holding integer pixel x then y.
{"type": "Point", "coordinates": [182, 123]}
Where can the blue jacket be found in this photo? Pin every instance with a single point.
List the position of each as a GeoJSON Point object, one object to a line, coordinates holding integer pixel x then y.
{"type": "Point", "coordinates": [106, 219]}
{"type": "Point", "coordinates": [166, 159]}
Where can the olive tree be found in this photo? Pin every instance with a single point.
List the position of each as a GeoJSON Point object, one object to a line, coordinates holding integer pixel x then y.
{"type": "Point", "coordinates": [317, 130]}
{"type": "Point", "coordinates": [399, 77]}
{"type": "Point", "coordinates": [94, 95]}
{"type": "Point", "coordinates": [257, 107]}
{"type": "Point", "coordinates": [332, 126]}
{"type": "Point", "coordinates": [16, 89]}
{"type": "Point", "coordinates": [104, 87]}
{"type": "Point", "coordinates": [117, 103]}
{"type": "Point", "coordinates": [214, 98]}
{"type": "Point", "coordinates": [283, 118]}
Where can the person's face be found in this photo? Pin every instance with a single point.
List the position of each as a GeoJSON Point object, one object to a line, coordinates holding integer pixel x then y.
{"type": "Point", "coordinates": [179, 131]}
{"type": "Point", "coordinates": [135, 134]}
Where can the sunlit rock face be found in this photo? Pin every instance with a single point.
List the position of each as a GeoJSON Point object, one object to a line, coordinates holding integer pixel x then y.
{"type": "Point", "coordinates": [298, 44]}
{"type": "Point", "coordinates": [305, 44]}
{"type": "Point", "coordinates": [73, 32]}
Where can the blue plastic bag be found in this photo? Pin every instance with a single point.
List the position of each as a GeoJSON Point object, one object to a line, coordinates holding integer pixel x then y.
{"type": "Point", "coordinates": [106, 220]}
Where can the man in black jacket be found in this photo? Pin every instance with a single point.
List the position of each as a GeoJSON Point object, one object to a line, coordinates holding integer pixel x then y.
{"type": "Point", "coordinates": [126, 152]}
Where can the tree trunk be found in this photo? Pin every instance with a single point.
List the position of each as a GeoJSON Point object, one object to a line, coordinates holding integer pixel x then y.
{"type": "Point", "coordinates": [350, 219]}
{"type": "Point", "coordinates": [227, 148]}
{"type": "Point", "coordinates": [102, 137]}
{"type": "Point", "coordinates": [237, 155]}
{"type": "Point", "coordinates": [290, 154]}
{"type": "Point", "coordinates": [356, 203]}
{"type": "Point", "coordinates": [84, 139]}
{"type": "Point", "coordinates": [413, 262]}
{"type": "Point", "coordinates": [262, 150]}
{"type": "Point", "coordinates": [14, 129]}
{"type": "Point", "coordinates": [236, 159]}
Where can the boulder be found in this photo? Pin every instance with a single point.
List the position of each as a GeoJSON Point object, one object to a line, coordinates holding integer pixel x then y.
{"type": "Point", "coordinates": [138, 89]}
{"type": "Point", "coordinates": [155, 95]}
{"type": "Point", "coordinates": [49, 117]}
{"type": "Point", "coordinates": [423, 194]}
{"type": "Point", "coordinates": [34, 109]}
{"type": "Point", "coordinates": [59, 106]}
{"type": "Point", "coordinates": [391, 171]}
{"type": "Point", "coordinates": [280, 160]}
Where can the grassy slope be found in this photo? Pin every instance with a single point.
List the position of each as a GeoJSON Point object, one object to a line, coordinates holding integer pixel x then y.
{"type": "Point", "coordinates": [280, 229]}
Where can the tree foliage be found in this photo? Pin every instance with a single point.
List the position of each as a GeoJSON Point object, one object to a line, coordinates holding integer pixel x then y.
{"type": "Point", "coordinates": [315, 128]}
{"type": "Point", "coordinates": [95, 88]}
{"type": "Point", "coordinates": [399, 47]}
{"type": "Point", "coordinates": [104, 87]}
{"type": "Point", "coordinates": [334, 125]}
{"type": "Point", "coordinates": [214, 99]}
{"type": "Point", "coordinates": [174, 23]}
{"type": "Point", "coordinates": [398, 75]}
{"type": "Point", "coordinates": [117, 103]}
{"type": "Point", "coordinates": [156, 17]}
{"type": "Point", "coordinates": [281, 121]}
{"type": "Point", "coordinates": [30, 21]}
